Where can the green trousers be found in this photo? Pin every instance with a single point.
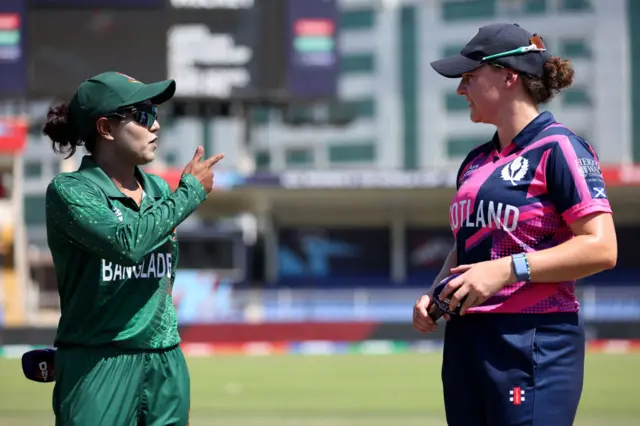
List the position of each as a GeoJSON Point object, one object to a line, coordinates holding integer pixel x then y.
{"type": "Point", "coordinates": [109, 386]}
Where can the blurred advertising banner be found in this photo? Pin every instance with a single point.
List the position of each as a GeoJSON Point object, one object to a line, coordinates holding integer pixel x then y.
{"type": "Point", "coordinates": [313, 59]}
{"type": "Point", "coordinates": [325, 253]}
{"type": "Point", "coordinates": [624, 175]}
{"type": "Point", "coordinates": [615, 176]}
{"type": "Point", "coordinates": [348, 179]}
{"type": "Point", "coordinates": [13, 135]}
{"type": "Point", "coordinates": [200, 296]}
{"type": "Point", "coordinates": [427, 248]}
{"type": "Point", "coordinates": [367, 179]}
{"type": "Point", "coordinates": [13, 61]}
{"type": "Point", "coordinates": [374, 179]}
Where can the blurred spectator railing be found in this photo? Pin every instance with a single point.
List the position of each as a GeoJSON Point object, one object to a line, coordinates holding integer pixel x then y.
{"type": "Point", "coordinates": [223, 303]}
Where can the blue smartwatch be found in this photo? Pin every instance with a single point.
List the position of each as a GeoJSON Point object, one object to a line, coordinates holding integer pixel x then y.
{"type": "Point", "coordinates": [521, 267]}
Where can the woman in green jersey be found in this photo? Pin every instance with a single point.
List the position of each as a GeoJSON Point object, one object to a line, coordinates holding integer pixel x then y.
{"type": "Point", "coordinates": [111, 232]}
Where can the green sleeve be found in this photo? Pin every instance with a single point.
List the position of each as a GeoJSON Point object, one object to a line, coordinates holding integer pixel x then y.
{"type": "Point", "coordinates": [79, 210]}
{"type": "Point", "coordinates": [164, 186]}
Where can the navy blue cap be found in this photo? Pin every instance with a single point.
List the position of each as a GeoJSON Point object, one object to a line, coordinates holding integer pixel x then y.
{"type": "Point", "coordinates": [491, 40]}
{"type": "Point", "coordinates": [39, 365]}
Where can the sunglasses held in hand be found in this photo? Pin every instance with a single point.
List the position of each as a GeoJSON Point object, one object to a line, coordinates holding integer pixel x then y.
{"type": "Point", "coordinates": [440, 307]}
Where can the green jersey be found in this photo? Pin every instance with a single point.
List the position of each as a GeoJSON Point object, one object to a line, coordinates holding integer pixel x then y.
{"type": "Point", "coordinates": [115, 262]}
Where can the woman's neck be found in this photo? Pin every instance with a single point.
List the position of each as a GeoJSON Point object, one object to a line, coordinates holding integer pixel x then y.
{"type": "Point", "coordinates": [513, 121]}
{"type": "Point", "coordinates": [121, 173]}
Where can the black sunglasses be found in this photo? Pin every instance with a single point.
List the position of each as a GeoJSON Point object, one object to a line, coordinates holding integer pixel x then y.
{"type": "Point", "coordinates": [143, 114]}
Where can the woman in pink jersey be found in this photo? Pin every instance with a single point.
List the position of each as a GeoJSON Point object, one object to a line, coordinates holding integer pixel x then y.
{"type": "Point", "coordinates": [530, 217]}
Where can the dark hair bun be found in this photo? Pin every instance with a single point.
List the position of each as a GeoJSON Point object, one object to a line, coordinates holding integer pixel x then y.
{"type": "Point", "coordinates": [558, 74]}
{"type": "Point", "coordinates": [64, 136]}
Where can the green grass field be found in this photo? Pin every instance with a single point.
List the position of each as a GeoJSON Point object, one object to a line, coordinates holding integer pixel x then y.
{"type": "Point", "coordinates": [344, 390]}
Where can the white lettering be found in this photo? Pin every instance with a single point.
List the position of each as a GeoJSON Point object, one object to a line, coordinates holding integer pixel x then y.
{"type": "Point", "coordinates": [511, 218]}
{"type": "Point", "coordinates": [464, 212]}
{"type": "Point", "coordinates": [152, 267]}
{"type": "Point", "coordinates": [494, 215]}
{"type": "Point", "coordinates": [161, 268]}
{"type": "Point", "coordinates": [117, 275]}
{"type": "Point", "coordinates": [107, 272]}
{"type": "Point", "coordinates": [206, 63]}
{"type": "Point", "coordinates": [480, 216]}
{"type": "Point", "coordinates": [44, 370]}
{"type": "Point", "coordinates": [453, 215]}
{"type": "Point", "coordinates": [157, 265]}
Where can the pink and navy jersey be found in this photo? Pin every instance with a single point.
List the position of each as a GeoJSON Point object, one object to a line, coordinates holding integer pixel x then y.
{"type": "Point", "coordinates": [523, 199]}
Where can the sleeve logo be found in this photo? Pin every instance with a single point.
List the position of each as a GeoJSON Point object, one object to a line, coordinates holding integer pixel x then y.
{"type": "Point", "coordinates": [515, 171]}
{"type": "Point", "coordinates": [466, 175]}
{"type": "Point", "coordinates": [599, 192]}
{"type": "Point", "coordinates": [588, 167]}
{"type": "Point", "coordinates": [128, 77]}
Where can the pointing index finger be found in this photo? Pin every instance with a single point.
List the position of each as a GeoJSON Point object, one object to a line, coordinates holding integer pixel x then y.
{"type": "Point", "coordinates": [213, 159]}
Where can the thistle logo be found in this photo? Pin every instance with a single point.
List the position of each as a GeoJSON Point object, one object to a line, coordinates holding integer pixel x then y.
{"type": "Point", "coordinates": [515, 171]}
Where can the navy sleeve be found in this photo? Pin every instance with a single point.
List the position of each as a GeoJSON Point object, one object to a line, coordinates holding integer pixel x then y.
{"type": "Point", "coordinates": [574, 179]}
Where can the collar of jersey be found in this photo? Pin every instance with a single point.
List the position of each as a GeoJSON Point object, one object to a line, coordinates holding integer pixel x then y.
{"type": "Point", "coordinates": [526, 135]}
{"type": "Point", "coordinates": [90, 169]}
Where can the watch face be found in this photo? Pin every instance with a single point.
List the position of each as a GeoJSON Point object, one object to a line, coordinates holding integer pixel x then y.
{"type": "Point", "coordinates": [521, 267]}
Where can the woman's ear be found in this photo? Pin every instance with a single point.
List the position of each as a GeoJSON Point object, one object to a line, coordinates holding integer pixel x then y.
{"type": "Point", "coordinates": [105, 128]}
{"type": "Point", "coordinates": [511, 77]}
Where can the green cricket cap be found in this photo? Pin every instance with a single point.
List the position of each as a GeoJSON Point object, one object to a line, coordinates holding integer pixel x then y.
{"type": "Point", "coordinates": [111, 91]}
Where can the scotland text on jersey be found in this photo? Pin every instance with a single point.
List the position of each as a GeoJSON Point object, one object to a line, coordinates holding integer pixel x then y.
{"type": "Point", "coordinates": [494, 215]}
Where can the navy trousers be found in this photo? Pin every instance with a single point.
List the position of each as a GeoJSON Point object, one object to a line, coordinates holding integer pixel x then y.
{"type": "Point", "coordinates": [513, 369]}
